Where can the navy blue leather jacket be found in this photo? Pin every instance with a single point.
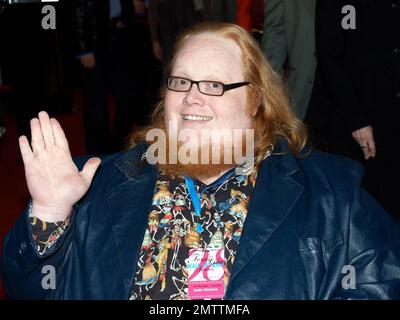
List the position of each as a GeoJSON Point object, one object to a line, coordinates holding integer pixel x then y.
{"type": "Point", "coordinates": [308, 221]}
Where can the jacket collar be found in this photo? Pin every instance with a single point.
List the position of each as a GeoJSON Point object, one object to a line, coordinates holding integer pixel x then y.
{"type": "Point", "coordinates": [276, 193]}
{"type": "Point", "coordinates": [129, 204]}
{"type": "Point", "coordinates": [130, 162]}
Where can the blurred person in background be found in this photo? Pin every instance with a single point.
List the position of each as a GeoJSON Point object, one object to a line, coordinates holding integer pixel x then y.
{"type": "Point", "coordinates": [358, 51]}
{"type": "Point", "coordinates": [113, 48]}
{"type": "Point", "coordinates": [30, 53]}
{"type": "Point", "coordinates": [288, 40]}
{"type": "Point", "coordinates": [169, 17]}
{"type": "Point", "coordinates": [166, 19]}
{"type": "Point", "coordinates": [250, 16]}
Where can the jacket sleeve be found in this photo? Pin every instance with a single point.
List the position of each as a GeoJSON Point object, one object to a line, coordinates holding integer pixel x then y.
{"type": "Point", "coordinates": [334, 64]}
{"type": "Point", "coordinates": [23, 268]}
{"type": "Point", "coordinates": [373, 251]}
{"type": "Point", "coordinates": [274, 40]}
{"type": "Point", "coordinates": [46, 234]}
{"type": "Point", "coordinates": [24, 271]}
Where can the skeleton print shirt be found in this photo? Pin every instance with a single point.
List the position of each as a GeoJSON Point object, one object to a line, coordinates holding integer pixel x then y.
{"type": "Point", "coordinates": [174, 228]}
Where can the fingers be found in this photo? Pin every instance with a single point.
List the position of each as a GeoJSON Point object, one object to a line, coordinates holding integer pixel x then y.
{"type": "Point", "coordinates": [371, 148]}
{"type": "Point", "coordinates": [363, 142]}
{"type": "Point", "coordinates": [37, 137]}
{"type": "Point", "coordinates": [26, 151]}
{"type": "Point", "coordinates": [366, 152]}
{"type": "Point", "coordinates": [47, 130]}
{"type": "Point", "coordinates": [59, 136]}
{"type": "Point", "coordinates": [365, 138]}
{"type": "Point", "coordinates": [47, 133]}
{"type": "Point", "coordinates": [89, 169]}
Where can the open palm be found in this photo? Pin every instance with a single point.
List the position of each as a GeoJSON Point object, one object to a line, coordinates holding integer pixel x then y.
{"type": "Point", "coordinates": [53, 180]}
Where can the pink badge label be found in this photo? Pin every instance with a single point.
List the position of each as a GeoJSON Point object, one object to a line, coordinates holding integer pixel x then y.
{"type": "Point", "coordinates": [206, 273]}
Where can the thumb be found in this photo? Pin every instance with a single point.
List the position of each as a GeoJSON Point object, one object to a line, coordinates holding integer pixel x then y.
{"type": "Point", "coordinates": [89, 169]}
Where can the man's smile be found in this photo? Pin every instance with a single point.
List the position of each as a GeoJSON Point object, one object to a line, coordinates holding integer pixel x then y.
{"type": "Point", "coordinates": [193, 117]}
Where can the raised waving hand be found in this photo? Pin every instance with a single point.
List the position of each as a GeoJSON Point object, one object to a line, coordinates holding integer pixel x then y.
{"type": "Point", "coordinates": [53, 180]}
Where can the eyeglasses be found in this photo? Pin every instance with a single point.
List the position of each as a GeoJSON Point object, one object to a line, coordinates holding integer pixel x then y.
{"type": "Point", "coordinates": [210, 88]}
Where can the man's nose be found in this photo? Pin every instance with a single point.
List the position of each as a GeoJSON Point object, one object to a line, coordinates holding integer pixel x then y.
{"type": "Point", "coordinates": [194, 96]}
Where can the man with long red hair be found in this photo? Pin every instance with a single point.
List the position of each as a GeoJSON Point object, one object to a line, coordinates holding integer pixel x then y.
{"type": "Point", "coordinates": [282, 222]}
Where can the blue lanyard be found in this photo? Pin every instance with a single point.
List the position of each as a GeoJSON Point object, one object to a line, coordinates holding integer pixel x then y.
{"type": "Point", "coordinates": [195, 200]}
{"type": "Point", "coordinates": [195, 197]}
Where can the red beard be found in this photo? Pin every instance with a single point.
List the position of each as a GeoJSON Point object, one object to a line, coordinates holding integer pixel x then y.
{"type": "Point", "coordinates": [197, 168]}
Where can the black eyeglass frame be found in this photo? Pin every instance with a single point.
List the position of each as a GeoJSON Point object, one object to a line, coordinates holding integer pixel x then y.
{"type": "Point", "coordinates": [225, 87]}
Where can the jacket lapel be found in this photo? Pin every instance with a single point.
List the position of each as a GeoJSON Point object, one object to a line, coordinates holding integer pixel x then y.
{"type": "Point", "coordinates": [275, 195]}
{"type": "Point", "coordinates": [129, 205]}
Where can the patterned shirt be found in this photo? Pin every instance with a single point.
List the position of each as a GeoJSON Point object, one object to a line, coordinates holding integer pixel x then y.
{"type": "Point", "coordinates": [173, 229]}
{"type": "Point", "coordinates": [45, 233]}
